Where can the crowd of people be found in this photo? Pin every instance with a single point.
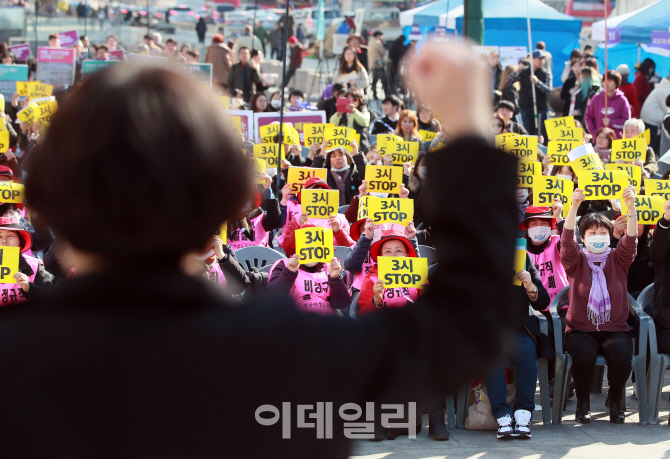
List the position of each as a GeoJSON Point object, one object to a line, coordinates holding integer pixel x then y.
{"type": "Point", "coordinates": [597, 250]}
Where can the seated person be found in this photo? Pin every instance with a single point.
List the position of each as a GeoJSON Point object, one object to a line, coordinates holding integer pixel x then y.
{"type": "Point", "coordinates": [596, 322]}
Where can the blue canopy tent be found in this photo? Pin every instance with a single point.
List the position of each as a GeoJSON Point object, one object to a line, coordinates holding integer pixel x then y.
{"type": "Point", "coordinates": [636, 28]}
{"type": "Point", "coordinates": [505, 25]}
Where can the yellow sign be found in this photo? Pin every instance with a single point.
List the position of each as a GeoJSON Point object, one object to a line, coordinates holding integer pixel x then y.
{"type": "Point", "coordinates": [364, 206]}
{"type": "Point", "coordinates": [634, 173]}
{"type": "Point", "coordinates": [427, 136]}
{"type": "Point", "coordinates": [571, 133]}
{"type": "Point", "coordinates": [4, 141]}
{"type": "Point", "coordinates": [391, 210]}
{"type": "Point", "coordinates": [340, 137]}
{"type": "Point", "coordinates": [383, 139]}
{"type": "Point", "coordinates": [403, 152]}
{"type": "Point", "coordinates": [523, 147]}
{"type": "Point", "coordinates": [268, 152]}
{"type": "Point", "coordinates": [556, 125]}
{"type": "Point", "coordinates": [270, 131]}
{"type": "Point", "coordinates": [590, 162]}
{"type": "Point", "coordinates": [298, 176]}
{"type": "Point", "coordinates": [648, 208]}
{"type": "Point", "coordinates": [645, 135]}
{"type": "Point", "coordinates": [519, 259]}
{"type": "Point", "coordinates": [547, 188]}
{"type": "Point", "coordinates": [558, 151]}
{"type": "Point", "coordinates": [527, 170]}
{"type": "Point", "coordinates": [602, 184]}
{"type": "Point", "coordinates": [403, 272]}
{"type": "Point", "coordinates": [629, 150]}
{"type": "Point", "coordinates": [37, 89]}
{"type": "Point", "coordinates": [222, 232]}
{"type": "Point", "coordinates": [22, 88]}
{"type": "Point", "coordinates": [223, 100]}
{"type": "Point", "coordinates": [44, 113]}
{"type": "Point", "coordinates": [259, 168]}
{"type": "Point", "coordinates": [383, 179]}
{"type": "Point", "coordinates": [503, 141]}
{"type": "Point", "coordinates": [26, 114]}
{"type": "Point", "coordinates": [313, 133]}
{"type": "Point", "coordinates": [654, 187]}
{"type": "Point", "coordinates": [9, 264]}
{"type": "Point", "coordinates": [314, 245]}
{"type": "Point", "coordinates": [234, 124]}
{"type": "Point", "coordinates": [320, 204]}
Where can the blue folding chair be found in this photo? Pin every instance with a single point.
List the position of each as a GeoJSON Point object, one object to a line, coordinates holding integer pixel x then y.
{"type": "Point", "coordinates": [428, 252]}
{"type": "Point", "coordinates": [257, 257]}
{"type": "Point", "coordinates": [643, 324]}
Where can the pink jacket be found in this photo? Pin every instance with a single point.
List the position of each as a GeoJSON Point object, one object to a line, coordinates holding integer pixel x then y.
{"type": "Point", "coordinates": [618, 111]}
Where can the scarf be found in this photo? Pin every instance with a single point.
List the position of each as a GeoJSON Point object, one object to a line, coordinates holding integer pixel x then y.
{"type": "Point", "coordinates": [599, 306]}
{"type": "Point", "coordinates": [340, 177]}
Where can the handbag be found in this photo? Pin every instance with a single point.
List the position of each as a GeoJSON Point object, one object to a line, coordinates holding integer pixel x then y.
{"type": "Point", "coordinates": [480, 415]}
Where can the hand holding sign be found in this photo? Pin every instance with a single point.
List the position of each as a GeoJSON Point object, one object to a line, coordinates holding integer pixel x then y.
{"type": "Point", "coordinates": [578, 197]}
{"type": "Point", "coordinates": [602, 184]}
{"type": "Point", "coordinates": [293, 263]}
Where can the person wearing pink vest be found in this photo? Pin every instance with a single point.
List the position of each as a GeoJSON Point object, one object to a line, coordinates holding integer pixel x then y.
{"type": "Point", "coordinates": [32, 278]}
{"type": "Point", "coordinates": [293, 212]}
{"type": "Point", "coordinates": [314, 287]}
{"type": "Point", "coordinates": [253, 224]}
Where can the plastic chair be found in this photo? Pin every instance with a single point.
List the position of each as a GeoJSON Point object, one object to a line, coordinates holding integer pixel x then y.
{"type": "Point", "coordinates": [657, 362]}
{"type": "Point", "coordinates": [643, 324]}
{"type": "Point", "coordinates": [428, 252]}
{"type": "Point", "coordinates": [463, 395]}
{"type": "Point", "coordinates": [353, 307]}
{"type": "Point", "coordinates": [342, 209]}
{"type": "Point", "coordinates": [372, 139]}
{"type": "Point", "coordinates": [257, 257]}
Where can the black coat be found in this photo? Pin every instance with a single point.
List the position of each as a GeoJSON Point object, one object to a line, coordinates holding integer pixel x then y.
{"type": "Point", "coordinates": [660, 259]}
{"type": "Point", "coordinates": [353, 180]}
{"type": "Point", "coordinates": [139, 362]}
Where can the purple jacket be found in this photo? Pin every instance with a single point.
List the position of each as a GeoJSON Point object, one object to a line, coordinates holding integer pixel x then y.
{"type": "Point", "coordinates": [618, 110]}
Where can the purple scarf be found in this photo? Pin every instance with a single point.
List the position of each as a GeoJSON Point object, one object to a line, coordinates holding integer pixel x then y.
{"type": "Point", "coordinates": [599, 306]}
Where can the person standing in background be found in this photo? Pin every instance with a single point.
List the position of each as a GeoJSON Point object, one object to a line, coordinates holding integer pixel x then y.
{"type": "Point", "coordinates": [296, 58]}
{"type": "Point", "coordinates": [201, 30]}
{"type": "Point", "coordinates": [626, 87]}
{"type": "Point", "coordinates": [548, 58]}
{"type": "Point", "coordinates": [218, 54]}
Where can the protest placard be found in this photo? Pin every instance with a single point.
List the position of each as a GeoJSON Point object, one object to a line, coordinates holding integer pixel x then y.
{"type": "Point", "coordinates": [649, 209]}
{"type": "Point", "coordinates": [526, 171]}
{"type": "Point", "coordinates": [653, 187]}
{"type": "Point", "coordinates": [403, 272]}
{"type": "Point", "coordinates": [9, 76]}
{"type": "Point", "coordinates": [383, 179]}
{"type": "Point", "coordinates": [634, 173]}
{"type": "Point", "coordinates": [547, 188]}
{"type": "Point", "coordinates": [558, 151]}
{"type": "Point", "coordinates": [320, 204]}
{"type": "Point", "coordinates": [314, 245]}
{"type": "Point", "coordinates": [298, 176]}
{"type": "Point", "coordinates": [9, 264]}
{"type": "Point", "coordinates": [313, 133]}
{"type": "Point", "coordinates": [391, 210]}
{"type": "Point", "coordinates": [403, 152]}
{"type": "Point", "coordinates": [629, 150]}
{"type": "Point", "coordinates": [55, 66]}
{"type": "Point", "coordinates": [602, 184]}
{"type": "Point", "coordinates": [519, 259]}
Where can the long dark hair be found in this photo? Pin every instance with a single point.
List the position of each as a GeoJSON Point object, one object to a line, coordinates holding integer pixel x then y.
{"type": "Point", "coordinates": [646, 66]}
{"type": "Point", "coordinates": [344, 68]}
{"type": "Point", "coordinates": [254, 99]}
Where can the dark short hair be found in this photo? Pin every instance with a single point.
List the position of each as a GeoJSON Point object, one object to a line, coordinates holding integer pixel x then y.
{"type": "Point", "coordinates": [194, 53]}
{"type": "Point", "coordinates": [614, 76]}
{"type": "Point", "coordinates": [525, 61]}
{"type": "Point", "coordinates": [148, 37]}
{"type": "Point", "coordinates": [575, 53]}
{"type": "Point", "coordinates": [159, 177]}
{"type": "Point", "coordinates": [393, 100]}
{"type": "Point", "coordinates": [377, 33]}
{"type": "Point", "coordinates": [256, 52]}
{"type": "Point", "coordinates": [594, 220]}
{"type": "Point", "coordinates": [242, 49]}
{"type": "Point", "coordinates": [170, 40]}
{"type": "Point", "coordinates": [508, 104]}
{"type": "Point", "coordinates": [540, 45]}
{"type": "Point", "coordinates": [667, 101]}
{"type": "Point", "coordinates": [296, 92]}
{"type": "Point", "coordinates": [102, 46]}
{"type": "Point", "coordinates": [54, 35]}
{"type": "Point", "coordinates": [587, 47]}
{"type": "Point", "coordinates": [337, 88]}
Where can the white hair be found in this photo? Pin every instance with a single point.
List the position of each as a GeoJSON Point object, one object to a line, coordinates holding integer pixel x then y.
{"type": "Point", "coordinates": [623, 69]}
{"type": "Point", "coordinates": [638, 123]}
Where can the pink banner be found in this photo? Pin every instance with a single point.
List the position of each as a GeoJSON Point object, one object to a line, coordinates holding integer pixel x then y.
{"type": "Point", "coordinates": [295, 118]}
{"type": "Point", "coordinates": [56, 55]}
{"type": "Point", "coordinates": [22, 51]}
{"type": "Point", "coordinates": [68, 39]}
{"type": "Point", "coordinates": [116, 55]}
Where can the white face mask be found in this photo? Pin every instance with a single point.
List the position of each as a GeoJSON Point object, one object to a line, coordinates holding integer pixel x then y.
{"type": "Point", "coordinates": [539, 233]}
{"type": "Point", "coordinates": [566, 177]}
{"type": "Point", "coordinates": [597, 244]}
{"type": "Point", "coordinates": [616, 204]}
{"type": "Point", "coordinates": [521, 195]}
{"type": "Point", "coordinates": [421, 170]}
{"type": "Point", "coordinates": [275, 103]}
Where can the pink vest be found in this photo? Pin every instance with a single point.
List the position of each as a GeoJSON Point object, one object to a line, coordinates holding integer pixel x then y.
{"type": "Point", "coordinates": [239, 238]}
{"type": "Point", "coordinates": [216, 275]}
{"type": "Point", "coordinates": [294, 210]}
{"type": "Point", "coordinates": [13, 293]}
{"type": "Point", "coordinates": [310, 290]}
{"type": "Point", "coordinates": [396, 297]}
{"type": "Point", "coordinates": [550, 268]}
{"type": "Point", "coordinates": [379, 230]}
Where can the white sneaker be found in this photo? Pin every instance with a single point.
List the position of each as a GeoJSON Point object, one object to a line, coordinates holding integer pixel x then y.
{"type": "Point", "coordinates": [522, 424]}
{"type": "Point", "coordinates": [505, 428]}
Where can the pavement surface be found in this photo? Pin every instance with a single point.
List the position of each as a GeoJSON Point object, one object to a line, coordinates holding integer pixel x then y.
{"type": "Point", "coordinates": [600, 439]}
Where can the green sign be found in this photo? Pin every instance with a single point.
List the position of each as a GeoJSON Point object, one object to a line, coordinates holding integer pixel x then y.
{"type": "Point", "coordinates": [91, 66]}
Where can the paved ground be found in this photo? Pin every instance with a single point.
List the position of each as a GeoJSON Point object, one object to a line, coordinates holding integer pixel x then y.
{"type": "Point", "coordinates": [600, 439]}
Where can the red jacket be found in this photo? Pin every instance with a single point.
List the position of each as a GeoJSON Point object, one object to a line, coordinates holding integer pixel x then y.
{"type": "Point", "coordinates": [642, 90]}
{"type": "Point", "coordinates": [630, 93]}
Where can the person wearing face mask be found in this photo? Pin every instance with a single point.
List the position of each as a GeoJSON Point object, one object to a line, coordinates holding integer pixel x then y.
{"type": "Point", "coordinates": [253, 224]}
{"type": "Point", "coordinates": [603, 143]}
{"type": "Point", "coordinates": [522, 202]}
{"type": "Point", "coordinates": [345, 170]}
{"type": "Point", "coordinates": [275, 101]}
{"type": "Point", "coordinates": [32, 279]}
{"type": "Point", "coordinates": [597, 316]}
{"type": "Point", "coordinates": [314, 287]}
{"type": "Point", "coordinates": [564, 172]}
